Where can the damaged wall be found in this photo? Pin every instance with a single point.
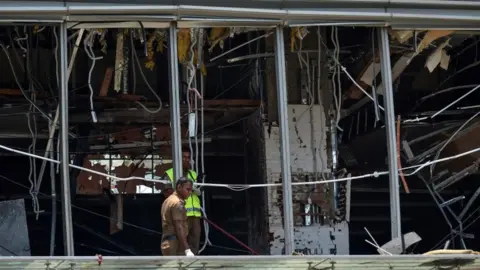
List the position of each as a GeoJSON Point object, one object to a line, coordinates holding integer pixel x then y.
{"type": "Point", "coordinates": [308, 155]}
{"type": "Point", "coordinates": [255, 172]}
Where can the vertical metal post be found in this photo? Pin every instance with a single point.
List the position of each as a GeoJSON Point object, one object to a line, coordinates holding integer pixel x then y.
{"type": "Point", "coordinates": [65, 157]}
{"type": "Point", "coordinates": [391, 133]}
{"type": "Point", "coordinates": [175, 124]}
{"type": "Point", "coordinates": [284, 140]}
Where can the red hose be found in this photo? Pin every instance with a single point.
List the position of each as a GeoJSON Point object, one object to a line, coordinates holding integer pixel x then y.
{"type": "Point", "coordinates": [231, 237]}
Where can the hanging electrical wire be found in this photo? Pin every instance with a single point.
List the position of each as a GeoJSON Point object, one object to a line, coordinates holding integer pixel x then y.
{"type": "Point", "coordinates": [242, 187]}
{"type": "Point", "coordinates": [344, 69]}
{"type": "Point", "coordinates": [139, 65]}
{"type": "Point", "coordinates": [339, 77]}
{"type": "Point", "coordinates": [432, 167]}
{"type": "Point", "coordinates": [192, 99]}
{"type": "Point", "coordinates": [322, 119]}
{"type": "Point", "coordinates": [32, 162]}
{"type": "Point", "coordinates": [20, 85]}
{"type": "Point", "coordinates": [336, 76]}
{"type": "Point", "coordinates": [88, 46]}
{"type": "Point", "coordinates": [32, 176]}
{"type": "Point", "coordinates": [191, 74]}
{"type": "Point", "coordinates": [374, 82]}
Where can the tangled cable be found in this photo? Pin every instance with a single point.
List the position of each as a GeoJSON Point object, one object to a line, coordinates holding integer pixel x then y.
{"type": "Point", "coordinates": [191, 78]}
{"type": "Point", "coordinates": [160, 104]}
{"type": "Point", "coordinates": [337, 86]}
{"type": "Point", "coordinates": [34, 186]}
{"type": "Point", "coordinates": [88, 44]}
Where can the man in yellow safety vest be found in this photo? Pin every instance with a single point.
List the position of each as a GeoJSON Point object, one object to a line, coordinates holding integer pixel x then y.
{"type": "Point", "coordinates": [192, 203]}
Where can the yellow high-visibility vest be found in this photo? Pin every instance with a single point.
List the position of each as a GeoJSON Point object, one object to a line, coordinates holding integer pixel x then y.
{"type": "Point", "coordinates": [192, 203]}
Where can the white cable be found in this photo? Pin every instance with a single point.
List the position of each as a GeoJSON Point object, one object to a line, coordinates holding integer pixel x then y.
{"type": "Point", "coordinates": [303, 62]}
{"type": "Point", "coordinates": [374, 82]}
{"type": "Point", "coordinates": [432, 167]}
{"type": "Point", "coordinates": [34, 162]}
{"type": "Point", "coordinates": [191, 72]}
{"type": "Point", "coordinates": [32, 167]}
{"type": "Point", "coordinates": [339, 82]}
{"type": "Point", "coordinates": [20, 39]}
{"type": "Point", "coordinates": [334, 83]}
{"type": "Point", "coordinates": [58, 152]}
{"type": "Point", "coordinates": [322, 123]}
{"type": "Point", "coordinates": [418, 119]}
{"type": "Point", "coordinates": [344, 69]}
{"type": "Point", "coordinates": [140, 69]}
{"type": "Point", "coordinates": [191, 77]}
{"type": "Point", "coordinates": [88, 44]}
{"type": "Point", "coordinates": [336, 76]}
{"type": "Point", "coordinates": [206, 226]}
{"type": "Point", "coordinates": [240, 187]}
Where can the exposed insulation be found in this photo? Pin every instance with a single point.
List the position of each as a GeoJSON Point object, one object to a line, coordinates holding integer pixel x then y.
{"type": "Point", "coordinates": [297, 33]}
{"type": "Point", "coordinates": [184, 39]}
{"type": "Point", "coordinates": [435, 58]}
{"type": "Point", "coordinates": [217, 36]}
{"type": "Point", "coordinates": [430, 37]}
{"type": "Point", "coordinates": [403, 36]}
{"type": "Point", "coordinates": [158, 38]}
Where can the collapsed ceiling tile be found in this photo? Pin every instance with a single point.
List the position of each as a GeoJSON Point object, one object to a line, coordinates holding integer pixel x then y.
{"type": "Point", "coordinates": [445, 60]}
{"type": "Point", "coordinates": [435, 58]}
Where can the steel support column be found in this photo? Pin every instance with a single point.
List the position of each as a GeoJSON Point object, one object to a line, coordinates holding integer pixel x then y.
{"type": "Point", "coordinates": [65, 157]}
{"type": "Point", "coordinates": [284, 140]}
{"type": "Point", "coordinates": [175, 124]}
{"type": "Point", "coordinates": [386, 70]}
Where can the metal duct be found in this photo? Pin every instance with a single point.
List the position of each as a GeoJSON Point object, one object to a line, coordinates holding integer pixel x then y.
{"type": "Point", "coordinates": [386, 11]}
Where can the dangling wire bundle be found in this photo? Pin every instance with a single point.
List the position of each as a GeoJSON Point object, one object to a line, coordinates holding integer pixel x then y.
{"type": "Point", "coordinates": [33, 168]}
{"type": "Point", "coordinates": [337, 86]}
{"type": "Point", "coordinates": [139, 65]}
{"type": "Point", "coordinates": [88, 46]}
{"type": "Point", "coordinates": [192, 100]}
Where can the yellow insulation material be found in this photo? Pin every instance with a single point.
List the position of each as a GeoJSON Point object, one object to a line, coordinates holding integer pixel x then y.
{"type": "Point", "coordinates": [150, 63]}
{"type": "Point", "coordinates": [293, 34]}
{"type": "Point", "coordinates": [297, 32]}
{"type": "Point", "coordinates": [183, 40]}
{"type": "Point", "coordinates": [157, 36]}
{"type": "Point", "coordinates": [217, 36]}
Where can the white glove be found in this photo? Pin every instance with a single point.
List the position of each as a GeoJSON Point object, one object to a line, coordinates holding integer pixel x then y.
{"type": "Point", "coordinates": [189, 253]}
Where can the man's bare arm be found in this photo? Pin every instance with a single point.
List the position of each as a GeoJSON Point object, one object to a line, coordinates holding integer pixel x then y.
{"type": "Point", "coordinates": [181, 234]}
{"type": "Point", "coordinates": [179, 216]}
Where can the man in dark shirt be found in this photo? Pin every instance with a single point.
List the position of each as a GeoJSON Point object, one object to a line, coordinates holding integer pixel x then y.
{"type": "Point", "coordinates": [174, 220]}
